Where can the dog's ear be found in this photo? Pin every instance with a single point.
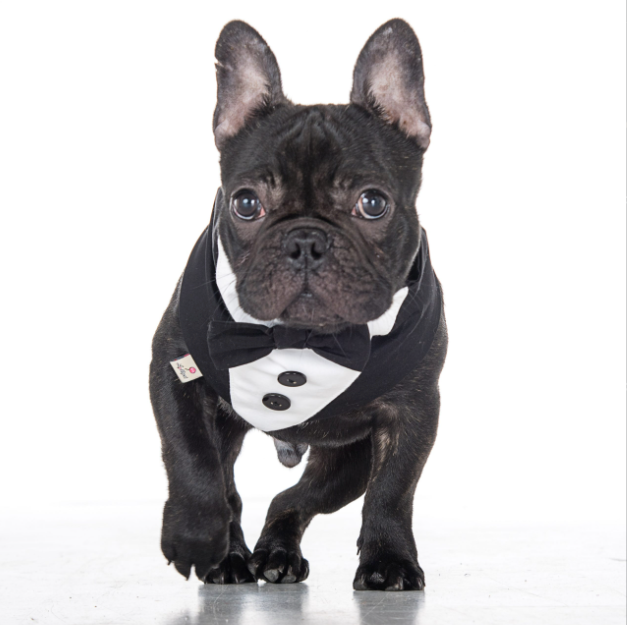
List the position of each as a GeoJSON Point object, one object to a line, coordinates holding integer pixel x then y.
{"type": "Point", "coordinates": [389, 80]}
{"type": "Point", "coordinates": [249, 80]}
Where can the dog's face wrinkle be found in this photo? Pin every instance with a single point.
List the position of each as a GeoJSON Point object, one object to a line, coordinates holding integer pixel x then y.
{"type": "Point", "coordinates": [309, 165]}
{"type": "Point", "coordinates": [347, 267]}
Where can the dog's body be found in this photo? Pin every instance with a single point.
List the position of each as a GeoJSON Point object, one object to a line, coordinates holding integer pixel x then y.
{"type": "Point", "coordinates": [316, 217]}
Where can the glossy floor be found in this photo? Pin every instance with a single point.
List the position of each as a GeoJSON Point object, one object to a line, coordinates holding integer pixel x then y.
{"type": "Point", "coordinates": [101, 565]}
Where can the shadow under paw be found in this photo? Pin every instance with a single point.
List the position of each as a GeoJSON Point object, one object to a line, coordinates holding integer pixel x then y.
{"type": "Point", "coordinates": [278, 566]}
{"type": "Point", "coordinates": [389, 575]}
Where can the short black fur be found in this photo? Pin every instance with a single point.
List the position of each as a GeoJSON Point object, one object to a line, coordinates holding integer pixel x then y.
{"type": "Point", "coordinates": [308, 165]}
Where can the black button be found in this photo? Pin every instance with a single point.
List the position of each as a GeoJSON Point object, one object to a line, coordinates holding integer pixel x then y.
{"type": "Point", "coordinates": [292, 378]}
{"type": "Point", "coordinates": [274, 401]}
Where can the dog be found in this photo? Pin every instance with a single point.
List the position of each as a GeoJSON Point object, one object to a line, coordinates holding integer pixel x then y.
{"type": "Point", "coordinates": [309, 310]}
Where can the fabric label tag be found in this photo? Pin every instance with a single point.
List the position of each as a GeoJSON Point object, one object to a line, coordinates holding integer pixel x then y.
{"type": "Point", "coordinates": [186, 368]}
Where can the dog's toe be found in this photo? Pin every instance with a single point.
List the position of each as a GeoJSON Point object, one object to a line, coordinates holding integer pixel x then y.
{"type": "Point", "coordinates": [232, 570]}
{"type": "Point", "coordinates": [278, 566]}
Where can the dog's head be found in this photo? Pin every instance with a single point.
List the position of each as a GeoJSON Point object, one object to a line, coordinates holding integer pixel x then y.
{"type": "Point", "coordinates": [318, 214]}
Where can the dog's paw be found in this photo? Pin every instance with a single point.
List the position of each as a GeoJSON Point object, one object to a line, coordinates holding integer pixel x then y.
{"type": "Point", "coordinates": [194, 536]}
{"type": "Point", "coordinates": [232, 570]}
{"type": "Point", "coordinates": [279, 565]}
{"type": "Point", "coordinates": [390, 574]}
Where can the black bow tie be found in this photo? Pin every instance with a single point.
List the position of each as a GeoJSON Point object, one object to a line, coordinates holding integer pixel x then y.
{"type": "Point", "coordinates": [232, 344]}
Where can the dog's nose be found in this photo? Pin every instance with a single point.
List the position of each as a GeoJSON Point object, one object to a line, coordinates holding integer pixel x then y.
{"type": "Point", "coordinates": [306, 248]}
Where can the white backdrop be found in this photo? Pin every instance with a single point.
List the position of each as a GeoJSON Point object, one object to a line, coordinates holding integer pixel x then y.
{"type": "Point", "coordinates": [107, 175]}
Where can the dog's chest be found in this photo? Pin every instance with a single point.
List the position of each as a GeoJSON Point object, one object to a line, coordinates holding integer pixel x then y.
{"type": "Point", "coordinates": [279, 387]}
{"type": "Point", "coordinates": [288, 386]}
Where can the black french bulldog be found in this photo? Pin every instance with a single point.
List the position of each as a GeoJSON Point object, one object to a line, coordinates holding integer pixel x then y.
{"type": "Point", "coordinates": [311, 311]}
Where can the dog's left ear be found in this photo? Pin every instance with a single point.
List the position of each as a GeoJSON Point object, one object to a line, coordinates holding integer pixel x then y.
{"type": "Point", "coordinates": [389, 80]}
{"type": "Point", "coordinates": [249, 80]}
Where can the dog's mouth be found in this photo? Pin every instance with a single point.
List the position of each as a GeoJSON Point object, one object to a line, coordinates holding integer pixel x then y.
{"type": "Point", "coordinates": [306, 310]}
{"type": "Point", "coordinates": [314, 306]}
{"type": "Point", "coordinates": [325, 305]}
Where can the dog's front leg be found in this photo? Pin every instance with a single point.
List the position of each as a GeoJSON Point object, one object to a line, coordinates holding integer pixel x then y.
{"type": "Point", "coordinates": [402, 441]}
{"type": "Point", "coordinates": [200, 443]}
{"type": "Point", "coordinates": [196, 516]}
{"type": "Point", "coordinates": [333, 478]}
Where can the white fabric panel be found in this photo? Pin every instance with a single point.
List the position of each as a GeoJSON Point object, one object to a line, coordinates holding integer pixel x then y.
{"type": "Point", "coordinates": [383, 325]}
{"type": "Point", "coordinates": [250, 382]}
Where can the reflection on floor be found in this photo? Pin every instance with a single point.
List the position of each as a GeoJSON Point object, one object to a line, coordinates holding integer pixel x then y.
{"type": "Point", "coordinates": [101, 565]}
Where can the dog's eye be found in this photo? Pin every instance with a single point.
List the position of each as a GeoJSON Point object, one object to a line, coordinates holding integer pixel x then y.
{"type": "Point", "coordinates": [372, 204]}
{"type": "Point", "coordinates": [246, 205]}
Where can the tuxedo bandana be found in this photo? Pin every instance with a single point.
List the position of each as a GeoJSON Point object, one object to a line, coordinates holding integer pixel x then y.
{"type": "Point", "coordinates": [276, 377]}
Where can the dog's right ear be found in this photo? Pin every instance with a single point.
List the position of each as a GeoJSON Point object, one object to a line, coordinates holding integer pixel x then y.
{"type": "Point", "coordinates": [389, 80]}
{"type": "Point", "coordinates": [249, 80]}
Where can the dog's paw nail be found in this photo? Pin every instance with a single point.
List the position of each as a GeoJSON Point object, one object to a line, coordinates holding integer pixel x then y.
{"type": "Point", "coordinates": [272, 575]}
{"type": "Point", "coordinates": [290, 577]}
{"type": "Point", "coordinates": [396, 587]}
{"type": "Point", "coordinates": [184, 568]}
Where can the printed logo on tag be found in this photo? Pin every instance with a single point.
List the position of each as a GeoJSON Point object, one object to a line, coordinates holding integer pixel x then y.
{"type": "Point", "coordinates": [186, 368]}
